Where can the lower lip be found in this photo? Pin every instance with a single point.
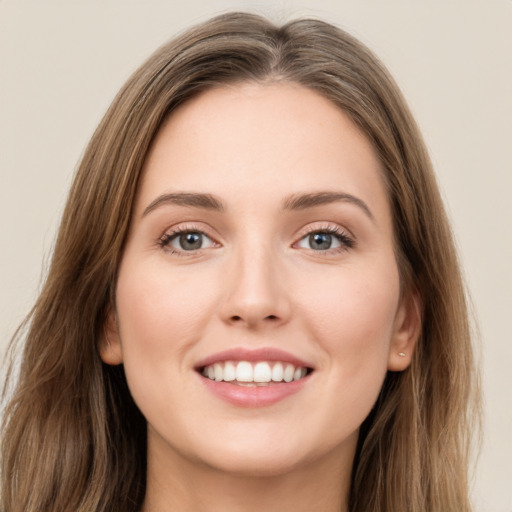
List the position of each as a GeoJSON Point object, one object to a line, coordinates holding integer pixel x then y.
{"type": "Point", "coordinates": [254, 396]}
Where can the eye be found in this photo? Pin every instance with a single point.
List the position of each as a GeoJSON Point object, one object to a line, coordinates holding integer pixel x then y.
{"type": "Point", "coordinates": [326, 239]}
{"type": "Point", "coordinates": [186, 240]}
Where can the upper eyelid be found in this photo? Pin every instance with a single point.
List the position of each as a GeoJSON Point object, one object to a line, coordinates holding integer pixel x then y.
{"type": "Point", "coordinates": [165, 240]}
{"type": "Point", "coordinates": [331, 227]}
{"type": "Point", "coordinates": [171, 232]}
{"type": "Point", "coordinates": [347, 240]}
{"type": "Point", "coordinates": [313, 226]}
{"type": "Point", "coordinates": [188, 226]}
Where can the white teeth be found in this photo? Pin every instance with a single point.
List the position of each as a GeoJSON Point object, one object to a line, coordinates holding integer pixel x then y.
{"type": "Point", "coordinates": [277, 372]}
{"type": "Point", "coordinates": [246, 373]}
{"type": "Point", "coordinates": [299, 373]}
{"type": "Point", "coordinates": [262, 372]}
{"type": "Point", "coordinates": [229, 372]}
{"type": "Point", "coordinates": [219, 374]}
{"type": "Point", "coordinates": [288, 373]}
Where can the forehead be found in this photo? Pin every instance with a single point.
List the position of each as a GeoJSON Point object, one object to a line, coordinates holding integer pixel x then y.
{"type": "Point", "coordinates": [260, 142]}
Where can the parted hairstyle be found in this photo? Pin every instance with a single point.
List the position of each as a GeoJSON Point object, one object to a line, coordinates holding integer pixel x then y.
{"type": "Point", "coordinates": [74, 440]}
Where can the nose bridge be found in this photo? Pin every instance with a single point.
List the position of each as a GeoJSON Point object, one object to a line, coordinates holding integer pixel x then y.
{"type": "Point", "coordinates": [255, 293]}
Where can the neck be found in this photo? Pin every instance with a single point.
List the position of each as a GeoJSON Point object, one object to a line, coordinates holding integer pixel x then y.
{"type": "Point", "coordinates": [178, 484]}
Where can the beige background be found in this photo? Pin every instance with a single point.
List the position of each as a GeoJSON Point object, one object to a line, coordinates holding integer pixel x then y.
{"type": "Point", "coordinates": [61, 62]}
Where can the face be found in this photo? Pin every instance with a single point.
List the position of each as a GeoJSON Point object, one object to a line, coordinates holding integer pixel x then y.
{"type": "Point", "coordinates": [258, 300]}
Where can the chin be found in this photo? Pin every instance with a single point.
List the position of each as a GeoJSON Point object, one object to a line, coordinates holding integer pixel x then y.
{"type": "Point", "coordinates": [255, 464]}
{"type": "Point", "coordinates": [260, 456]}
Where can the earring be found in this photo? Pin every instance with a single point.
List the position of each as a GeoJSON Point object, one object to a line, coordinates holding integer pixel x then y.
{"type": "Point", "coordinates": [401, 354]}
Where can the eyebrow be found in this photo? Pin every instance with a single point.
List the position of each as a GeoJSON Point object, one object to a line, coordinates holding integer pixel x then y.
{"type": "Point", "coordinates": [304, 201]}
{"type": "Point", "coordinates": [193, 199]}
{"type": "Point", "coordinates": [291, 203]}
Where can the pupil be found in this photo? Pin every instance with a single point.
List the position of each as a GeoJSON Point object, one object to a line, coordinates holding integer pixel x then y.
{"type": "Point", "coordinates": [190, 241]}
{"type": "Point", "coordinates": [320, 241]}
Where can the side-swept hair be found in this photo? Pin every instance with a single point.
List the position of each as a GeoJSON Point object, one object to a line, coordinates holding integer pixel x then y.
{"type": "Point", "coordinates": [73, 439]}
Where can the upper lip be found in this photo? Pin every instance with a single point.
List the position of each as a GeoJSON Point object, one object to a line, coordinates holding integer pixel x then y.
{"type": "Point", "coordinates": [254, 355]}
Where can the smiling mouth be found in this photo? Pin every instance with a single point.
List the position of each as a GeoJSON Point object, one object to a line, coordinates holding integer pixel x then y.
{"type": "Point", "coordinates": [254, 374]}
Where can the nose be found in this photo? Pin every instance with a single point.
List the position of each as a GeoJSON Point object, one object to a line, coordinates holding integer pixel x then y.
{"type": "Point", "coordinates": [256, 294]}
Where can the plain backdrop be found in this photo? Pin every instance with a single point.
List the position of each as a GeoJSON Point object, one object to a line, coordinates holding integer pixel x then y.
{"type": "Point", "coordinates": [61, 63]}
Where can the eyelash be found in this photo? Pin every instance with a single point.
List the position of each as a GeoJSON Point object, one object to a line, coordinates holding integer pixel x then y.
{"type": "Point", "coordinates": [347, 242]}
{"type": "Point", "coordinates": [168, 237]}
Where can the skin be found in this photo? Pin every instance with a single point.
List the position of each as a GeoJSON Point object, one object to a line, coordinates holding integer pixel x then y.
{"type": "Point", "coordinates": [258, 282]}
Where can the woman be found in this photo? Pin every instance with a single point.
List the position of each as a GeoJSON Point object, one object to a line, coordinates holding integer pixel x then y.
{"type": "Point", "coordinates": [254, 301]}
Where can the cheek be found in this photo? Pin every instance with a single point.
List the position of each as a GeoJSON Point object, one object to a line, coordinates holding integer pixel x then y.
{"type": "Point", "coordinates": [161, 314]}
{"type": "Point", "coordinates": [352, 323]}
{"type": "Point", "coordinates": [352, 316]}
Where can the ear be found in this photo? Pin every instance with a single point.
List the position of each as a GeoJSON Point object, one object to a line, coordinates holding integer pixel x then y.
{"type": "Point", "coordinates": [110, 343]}
{"type": "Point", "coordinates": [407, 330]}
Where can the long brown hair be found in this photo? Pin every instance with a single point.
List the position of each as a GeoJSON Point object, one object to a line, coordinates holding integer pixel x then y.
{"type": "Point", "coordinates": [73, 440]}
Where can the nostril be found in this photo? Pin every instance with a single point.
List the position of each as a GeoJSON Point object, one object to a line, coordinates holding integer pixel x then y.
{"type": "Point", "coordinates": [249, 319]}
